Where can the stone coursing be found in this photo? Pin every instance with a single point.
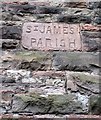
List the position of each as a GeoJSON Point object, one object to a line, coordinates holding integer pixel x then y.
{"type": "Point", "coordinates": [49, 82]}
{"type": "Point", "coordinates": [91, 39]}
{"type": "Point", "coordinates": [59, 61]}
{"type": "Point", "coordinates": [66, 13]}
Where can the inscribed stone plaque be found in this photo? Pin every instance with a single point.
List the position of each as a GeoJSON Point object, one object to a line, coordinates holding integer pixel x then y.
{"type": "Point", "coordinates": [51, 36]}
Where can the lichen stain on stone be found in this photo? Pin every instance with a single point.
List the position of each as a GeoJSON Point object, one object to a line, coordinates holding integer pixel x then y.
{"type": "Point", "coordinates": [53, 104]}
{"type": "Point", "coordinates": [85, 77]}
{"type": "Point", "coordinates": [95, 105]}
{"type": "Point", "coordinates": [29, 56]}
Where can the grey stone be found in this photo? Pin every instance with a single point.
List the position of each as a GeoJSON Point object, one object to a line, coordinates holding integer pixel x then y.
{"type": "Point", "coordinates": [74, 61]}
{"type": "Point", "coordinates": [86, 81]}
{"type": "Point", "coordinates": [39, 98]}
{"type": "Point", "coordinates": [6, 16]}
{"type": "Point", "coordinates": [97, 20]}
{"type": "Point", "coordinates": [10, 44]}
{"type": "Point", "coordinates": [8, 80]}
{"type": "Point", "coordinates": [91, 34]}
{"type": "Point", "coordinates": [2, 110]}
{"type": "Point", "coordinates": [49, 10]}
{"type": "Point", "coordinates": [93, 5]}
{"type": "Point", "coordinates": [17, 104]}
{"type": "Point", "coordinates": [10, 32]}
{"type": "Point", "coordinates": [91, 44]}
{"type": "Point", "coordinates": [71, 86]}
{"type": "Point", "coordinates": [33, 65]}
{"type": "Point", "coordinates": [95, 104]}
{"type": "Point", "coordinates": [74, 19]}
{"type": "Point", "coordinates": [25, 8]}
{"type": "Point", "coordinates": [56, 104]}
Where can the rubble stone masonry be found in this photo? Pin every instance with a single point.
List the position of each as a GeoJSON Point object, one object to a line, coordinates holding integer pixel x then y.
{"type": "Point", "coordinates": [50, 60]}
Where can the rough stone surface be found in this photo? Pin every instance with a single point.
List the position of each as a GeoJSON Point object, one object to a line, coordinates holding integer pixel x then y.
{"type": "Point", "coordinates": [52, 104]}
{"type": "Point", "coordinates": [72, 61]}
{"type": "Point", "coordinates": [95, 104]}
{"type": "Point", "coordinates": [10, 32]}
{"type": "Point", "coordinates": [49, 84]}
{"type": "Point", "coordinates": [10, 44]}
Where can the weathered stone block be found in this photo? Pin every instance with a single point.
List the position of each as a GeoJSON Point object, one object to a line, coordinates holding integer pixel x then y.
{"type": "Point", "coordinates": [51, 36]}
{"type": "Point", "coordinates": [74, 19]}
{"type": "Point", "coordinates": [10, 44]}
{"type": "Point", "coordinates": [49, 10]}
{"type": "Point", "coordinates": [74, 61]}
{"type": "Point", "coordinates": [10, 32]}
{"type": "Point", "coordinates": [84, 82]}
{"type": "Point", "coordinates": [95, 104]}
{"type": "Point", "coordinates": [91, 34]}
{"type": "Point", "coordinates": [60, 88]}
{"type": "Point", "coordinates": [97, 20]}
{"type": "Point", "coordinates": [93, 5]}
{"type": "Point", "coordinates": [75, 4]}
{"type": "Point", "coordinates": [55, 104]}
{"type": "Point", "coordinates": [91, 44]}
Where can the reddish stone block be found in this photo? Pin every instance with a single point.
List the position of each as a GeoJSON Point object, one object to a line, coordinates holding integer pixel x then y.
{"type": "Point", "coordinates": [51, 36]}
{"type": "Point", "coordinates": [89, 27]}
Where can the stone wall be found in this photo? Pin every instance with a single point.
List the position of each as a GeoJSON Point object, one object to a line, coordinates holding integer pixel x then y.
{"type": "Point", "coordinates": [50, 83]}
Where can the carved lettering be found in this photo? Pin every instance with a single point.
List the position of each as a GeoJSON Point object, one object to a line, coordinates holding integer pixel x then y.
{"type": "Point", "coordinates": [36, 28]}
{"type": "Point", "coordinates": [56, 42]}
{"type": "Point", "coordinates": [54, 36]}
{"type": "Point", "coordinates": [42, 30]}
{"type": "Point", "coordinates": [72, 44]}
{"type": "Point", "coordinates": [65, 30]}
{"type": "Point", "coordinates": [57, 30]}
{"type": "Point", "coordinates": [49, 30]}
{"type": "Point", "coordinates": [39, 44]}
{"type": "Point", "coordinates": [28, 29]}
{"type": "Point", "coordinates": [48, 42]}
{"type": "Point", "coordinates": [62, 43]}
{"type": "Point", "coordinates": [33, 42]}
{"type": "Point", "coordinates": [71, 30]}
